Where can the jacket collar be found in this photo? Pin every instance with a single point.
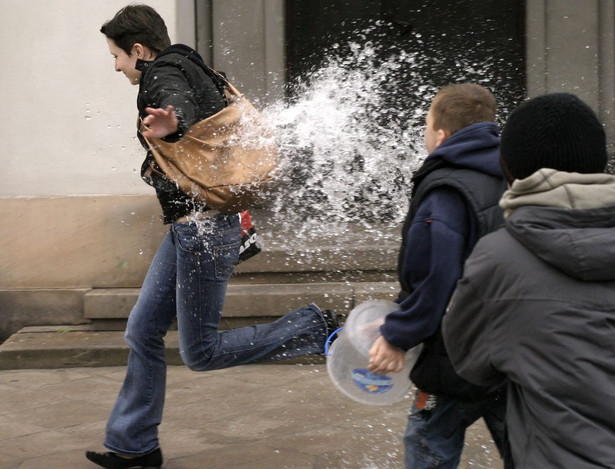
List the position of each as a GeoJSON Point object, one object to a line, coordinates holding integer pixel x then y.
{"type": "Point", "coordinates": [143, 65]}
{"type": "Point", "coordinates": [182, 49]}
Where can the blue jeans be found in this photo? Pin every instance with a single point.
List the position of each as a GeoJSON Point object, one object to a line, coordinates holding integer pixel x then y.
{"type": "Point", "coordinates": [437, 424]}
{"type": "Point", "coordinates": [187, 279]}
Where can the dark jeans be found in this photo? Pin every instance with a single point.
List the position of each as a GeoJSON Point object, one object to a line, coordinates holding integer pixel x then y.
{"type": "Point", "coordinates": [437, 424]}
{"type": "Point", "coordinates": [187, 280]}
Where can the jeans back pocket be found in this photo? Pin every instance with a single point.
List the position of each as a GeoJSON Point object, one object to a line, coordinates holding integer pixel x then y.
{"type": "Point", "coordinates": [225, 258]}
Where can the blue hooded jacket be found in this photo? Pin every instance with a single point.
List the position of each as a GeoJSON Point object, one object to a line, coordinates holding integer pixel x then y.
{"type": "Point", "coordinates": [438, 236]}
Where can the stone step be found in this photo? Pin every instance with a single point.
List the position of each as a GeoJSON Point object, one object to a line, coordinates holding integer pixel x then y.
{"type": "Point", "coordinates": [101, 343]}
{"type": "Point", "coordinates": [46, 347]}
{"type": "Point", "coordinates": [306, 253]}
{"type": "Point", "coordinates": [109, 308]}
{"type": "Point", "coordinates": [51, 347]}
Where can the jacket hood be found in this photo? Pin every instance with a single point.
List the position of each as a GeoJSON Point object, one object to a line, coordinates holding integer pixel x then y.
{"type": "Point", "coordinates": [184, 51]}
{"type": "Point", "coordinates": [180, 49]}
{"type": "Point", "coordinates": [567, 220]}
{"type": "Point", "coordinates": [475, 146]}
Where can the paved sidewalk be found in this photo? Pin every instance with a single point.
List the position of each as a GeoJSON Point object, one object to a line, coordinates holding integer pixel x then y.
{"type": "Point", "coordinates": [256, 417]}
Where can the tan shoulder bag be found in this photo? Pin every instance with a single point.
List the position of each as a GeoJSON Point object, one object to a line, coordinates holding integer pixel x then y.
{"type": "Point", "coordinates": [227, 161]}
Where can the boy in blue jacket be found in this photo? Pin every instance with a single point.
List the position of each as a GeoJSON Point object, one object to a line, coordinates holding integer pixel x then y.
{"type": "Point", "coordinates": [454, 202]}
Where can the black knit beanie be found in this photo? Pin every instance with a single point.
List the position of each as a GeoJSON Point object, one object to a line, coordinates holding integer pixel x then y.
{"type": "Point", "coordinates": [557, 131]}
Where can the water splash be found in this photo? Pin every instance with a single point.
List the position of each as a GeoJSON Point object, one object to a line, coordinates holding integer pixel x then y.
{"type": "Point", "coordinates": [352, 135]}
{"type": "Point", "coordinates": [347, 153]}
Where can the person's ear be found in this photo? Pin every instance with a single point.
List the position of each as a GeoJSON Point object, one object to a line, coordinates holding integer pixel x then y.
{"type": "Point", "coordinates": [139, 50]}
{"type": "Point", "coordinates": [441, 136]}
{"type": "Point", "coordinates": [143, 52]}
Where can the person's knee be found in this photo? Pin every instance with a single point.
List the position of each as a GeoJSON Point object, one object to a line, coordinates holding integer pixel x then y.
{"type": "Point", "coordinates": [196, 361]}
{"type": "Point", "coordinates": [192, 364]}
{"type": "Point", "coordinates": [142, 338]}
{"type": "Point", "coordinates": [133, 336]}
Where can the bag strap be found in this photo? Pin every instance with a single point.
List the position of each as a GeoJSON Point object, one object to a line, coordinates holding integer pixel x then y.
{"type": "Point", "coordinates": [220, 81]}
{"type": "Point", "coordinates": [219, 78]}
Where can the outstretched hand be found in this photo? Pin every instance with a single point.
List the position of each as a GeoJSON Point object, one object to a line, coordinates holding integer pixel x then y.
{"type": "Point", "coordinates": [385, 358]}
{"type": "Point", "coordinates": [160, 122]}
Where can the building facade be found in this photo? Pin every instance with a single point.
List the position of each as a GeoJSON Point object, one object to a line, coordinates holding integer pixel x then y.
{"type": "Point", "coordinates": [77, 216]}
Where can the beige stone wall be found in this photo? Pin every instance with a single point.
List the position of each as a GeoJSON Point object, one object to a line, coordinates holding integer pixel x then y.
{"type": "Point", "coordinates": [109, 242]}
{"type": "Point", "coordinates": [248, 44]}
{"type": "Point", "coordinates": [70, 122]}
{"type": "Point", "coordinates": [55, 249]}
{"type": "Point", "coordinates": [571, 48]}
{"type": "Point", "coordinates": [59, 251]}
{"type": "Point", "coordinates": [75, 213]}
{"type": "Point", "coordinates": [78, 242]}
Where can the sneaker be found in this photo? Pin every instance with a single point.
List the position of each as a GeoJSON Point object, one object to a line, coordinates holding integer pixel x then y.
{"type": "Point", "coordinates": [331, 320]}
{"type": "Point", "coordinates": [151, 460]}
{"type": "Point", "coordinates": [333, 325]}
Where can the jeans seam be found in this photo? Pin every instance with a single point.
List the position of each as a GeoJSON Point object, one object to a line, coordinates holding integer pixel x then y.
{"type": "Point", "coordinates": [317, 313]}
{"type": "Point", "coordinates": [200, 303]}
{"type": "Point", "coordinates": [263, 344]}
{"type": "Point", "coordinates": [150, 385]}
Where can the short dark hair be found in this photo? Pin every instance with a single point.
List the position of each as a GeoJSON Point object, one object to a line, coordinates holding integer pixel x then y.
{"type": "Point", "coordinates": [137, 23]}
{"type": "Point", "coordinates": [457, 106]}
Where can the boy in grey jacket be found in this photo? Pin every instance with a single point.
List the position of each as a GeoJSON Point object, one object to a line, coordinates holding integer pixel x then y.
{"type": "Point", "coordinates": [536, 304]}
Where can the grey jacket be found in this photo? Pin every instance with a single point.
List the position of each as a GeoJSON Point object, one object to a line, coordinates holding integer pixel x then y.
{"type": "Point", "coordinates": [536, 306]}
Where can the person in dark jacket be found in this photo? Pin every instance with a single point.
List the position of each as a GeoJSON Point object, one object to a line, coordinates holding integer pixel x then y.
{"type": "Point", "coordinates": [536, 305]}
{"type": "Point", "coordinates": [188, 276]}
{"type": "Point", "coordinates": [454, 202]}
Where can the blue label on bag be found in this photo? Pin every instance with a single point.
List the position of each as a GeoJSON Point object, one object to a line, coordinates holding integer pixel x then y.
{"type": "Point", "coordinates": [371, 383]}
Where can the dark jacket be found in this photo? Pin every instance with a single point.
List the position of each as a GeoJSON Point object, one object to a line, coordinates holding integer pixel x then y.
{"type": "Point", "coordinates": [177, 77]}
{"type": "Point", "coordinates": [536, 307]}
{"type": "Point", "coordinates": [454, 202]}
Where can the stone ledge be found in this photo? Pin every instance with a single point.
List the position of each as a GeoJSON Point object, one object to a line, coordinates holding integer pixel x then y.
{"type": "Point", "coordinates": [324, 259]}
{"type": "Point", "coordinates": [67, 347]}
{"type": "Point", "coordinates": [29, 307]}
{"type": "Point", "coordinates": [109, 241]}
{"type": "Point", "coordinates": [252, 300]}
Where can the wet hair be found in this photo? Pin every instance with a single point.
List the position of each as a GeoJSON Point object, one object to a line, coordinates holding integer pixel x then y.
{"type": "Point", "coordinates": [457, 106]}
{"type": "Point", "coordinates": [137, 23]}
